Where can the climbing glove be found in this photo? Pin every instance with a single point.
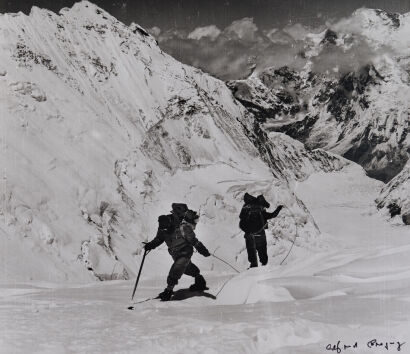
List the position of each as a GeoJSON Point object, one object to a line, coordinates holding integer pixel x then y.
{"type": "Point", "coordinates": [202, 249]}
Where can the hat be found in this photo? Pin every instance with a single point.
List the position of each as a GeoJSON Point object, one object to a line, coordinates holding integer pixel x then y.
{"type": "Point", "coordinates": [262, 201]}
{"type": "Point", "coordinates": [179, 209]}
{"type": "Point", "coordinates": [249, 199]}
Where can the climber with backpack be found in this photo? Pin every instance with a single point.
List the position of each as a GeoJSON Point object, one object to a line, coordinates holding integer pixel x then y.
{"type": "Point", "coordinates": [177, 231]}
{"type": "Point", "coordinates": [253, 221]}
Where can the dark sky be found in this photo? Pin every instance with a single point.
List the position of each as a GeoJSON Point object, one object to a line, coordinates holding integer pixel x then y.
{"type": "Point", "coordinates": [239, 43]}
{"type": "Point", "coordinates": [189, 14]}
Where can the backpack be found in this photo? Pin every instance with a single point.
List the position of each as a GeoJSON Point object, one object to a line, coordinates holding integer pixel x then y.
{"type": "Point", "coordinates": [252, 219]}
{"type": "Point", "coordinates": [167, 223]}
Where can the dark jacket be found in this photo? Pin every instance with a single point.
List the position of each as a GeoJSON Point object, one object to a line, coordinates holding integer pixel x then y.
{"type": "Point", "coordinates": [180, 241]}
{"type": "Point", "coordinates": [261, 204]}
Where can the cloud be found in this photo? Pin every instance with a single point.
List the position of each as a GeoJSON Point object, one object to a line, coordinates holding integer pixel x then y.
{"type": "Point", "coordinates": [244, 29]}
{"type": "Point", "coordinates": [362, 39]}
{"type": "Point", "coordinates": [341, 60]}
{"type": "Point", "coordinates": [221, 57]}
{"type": "Point", "coordinates": [154, 31]}
{"type": "Point", "coordinates": [212, 32]}
{"type": "Point", "coordinates": [233, 52]}
{"type": "Point", "coordinates": [172, 35]}
{"type": "Point", "coordinates": [299, 32]}
{"type": "Point", "coordinates": [242, 48]}
{"type": "Point", "coordinates": [354, 24]}
{"type": "Point", "coordinates": [278, 36]}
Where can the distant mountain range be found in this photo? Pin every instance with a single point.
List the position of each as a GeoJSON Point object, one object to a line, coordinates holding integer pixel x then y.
{"type": "Point", "coordinates": [351, 96]}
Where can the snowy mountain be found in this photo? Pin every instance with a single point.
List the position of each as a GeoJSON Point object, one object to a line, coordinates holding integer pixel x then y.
{"type": "Point", "coordinates": [350, 96]}
{"type": "Point", "coordinates": [395, 196]}
{"type": "Point", "coordinates": [102, 131]}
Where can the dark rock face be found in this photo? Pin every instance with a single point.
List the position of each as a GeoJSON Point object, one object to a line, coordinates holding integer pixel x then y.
{"type": "Point", "coordinates": [346, 96]}
{"type": "Point", "coordinates": [393, 17]}
{"type": "Point", "coordinates": [285, 75]}
{"type": "Point", "coordinates": [329, 38]}
{"type": "Point", "coordinates": [283, 99]}
{"type": "Point", "coordinates": [387, 173]}
{"type": "Point", "coordinates": [299, 130]}
{"type": "Point", "coordinates": [339, 96]}
{"type": "Point", "coordinates": [316, 109]}
{"type": "Point", "coordinates": [260, 113]}
{"type": "Point", "coordinates": [364, 150]}
{"type": "Point", "coordinates": [394, 209]}
{"type": "Point", "coordinates": [395, 195]}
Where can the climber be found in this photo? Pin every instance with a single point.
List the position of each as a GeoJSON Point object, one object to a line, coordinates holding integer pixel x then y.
{"type": "Point", "coordinates": [253, 221]}
{"type": "Point", "coordinates": [181, 240]}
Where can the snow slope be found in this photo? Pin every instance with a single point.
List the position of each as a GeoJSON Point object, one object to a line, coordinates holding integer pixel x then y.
{"type": "Point", "coordinates": [102, 131]}
{"type": "Point", "coordinates": [357, 291]}
{"type": "Point", "coordinates": [350, 96]}
{"type": "Point", "coordinates": [395, 196]}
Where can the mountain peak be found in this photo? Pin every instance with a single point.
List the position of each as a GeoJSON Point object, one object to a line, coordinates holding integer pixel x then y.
{"type": "Point", "coordinates": [366, 21]}
{"type": "Point", "coordinates": [378, 17]}
{"type": "Point", "coordinates": [83, 5]}
{"type": "Point", "coordinates": [87, 9]}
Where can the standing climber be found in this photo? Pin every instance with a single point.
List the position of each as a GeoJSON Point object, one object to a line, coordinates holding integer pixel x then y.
{"type": "Point", "coordinates": [253, 221]}
{"type": "Point", "coordinates": [181, 240]}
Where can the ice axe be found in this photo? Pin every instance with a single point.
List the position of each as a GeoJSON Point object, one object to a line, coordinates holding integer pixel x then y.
{"type": "Point", "coordinates": [139, 274]}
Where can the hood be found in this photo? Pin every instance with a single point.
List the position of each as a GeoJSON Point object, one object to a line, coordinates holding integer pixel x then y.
{"type": "Point", "coordinates": [262, 201]}
{"type": "Point", "coordinates": [249, 199]}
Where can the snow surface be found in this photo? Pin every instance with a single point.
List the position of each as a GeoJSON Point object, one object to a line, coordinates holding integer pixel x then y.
{"type": "Point", "coordinates": [355, 291]}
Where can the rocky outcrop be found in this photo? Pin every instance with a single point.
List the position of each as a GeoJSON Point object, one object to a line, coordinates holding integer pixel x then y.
{"type": "Point", "coordinates": [395, 196]}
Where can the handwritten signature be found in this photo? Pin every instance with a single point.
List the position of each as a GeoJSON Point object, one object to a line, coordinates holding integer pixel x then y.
{"type": "Point", "coordinates": [373, 343]}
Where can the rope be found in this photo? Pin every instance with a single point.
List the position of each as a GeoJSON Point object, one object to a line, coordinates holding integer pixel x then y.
{"type": "Point", "coordinates": [112, 273]}
{"type": "Point", "coordinates": [237, 234]}
{"type": "Point", "coordinates": [290, 250]}
{"type": "Point", "coordinates": [296, 234]}
{"type": "Point", "coordinates": [223, 285]}
{"type": "Point", "coordinates": [236, 270]}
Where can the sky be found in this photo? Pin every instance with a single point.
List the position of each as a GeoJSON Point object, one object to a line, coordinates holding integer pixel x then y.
{"type": "Point", "coordinates": [227, 38]}
{"type": "Point", "coordinates": [189, 14]}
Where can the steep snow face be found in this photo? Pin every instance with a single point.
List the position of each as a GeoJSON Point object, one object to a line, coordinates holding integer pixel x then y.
{"type": "Point", "coordinates": [102, 131]}
{"type": "Point", "coordinates": [395, 196]}
{"type": "Point", "coordinates": [296, 162]}
{"type": "Point", "coordinates": [352, 95]}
